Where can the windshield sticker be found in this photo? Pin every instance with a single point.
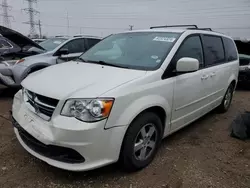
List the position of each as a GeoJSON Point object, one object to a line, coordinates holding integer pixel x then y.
{"type": "Point", "coordinates": [164, 39]}
{"type": "Point", "coordinates": [158, 61]}
{"type": "Point", "coordinates": [154, 57]}
{"type": "Point", "coordinates": [57, 42]}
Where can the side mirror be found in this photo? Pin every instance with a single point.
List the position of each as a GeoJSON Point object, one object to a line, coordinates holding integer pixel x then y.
{"type": "Point", "coordinates": [187, 64]}
{"type": "Point", "coordinates": [63, 51]}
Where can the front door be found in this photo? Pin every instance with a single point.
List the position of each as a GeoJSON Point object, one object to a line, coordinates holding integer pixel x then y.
{"type": "Point", "coordinates": [189, 91]}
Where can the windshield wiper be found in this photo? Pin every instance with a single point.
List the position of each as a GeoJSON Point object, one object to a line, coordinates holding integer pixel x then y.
{"type": "Point", "coordinates": [103, 63]}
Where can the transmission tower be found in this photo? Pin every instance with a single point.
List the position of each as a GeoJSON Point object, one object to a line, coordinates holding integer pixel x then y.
{"type": "Point", "coordinates": [31, 12]}
{"type": "Point", "coordinates": [6, 16]}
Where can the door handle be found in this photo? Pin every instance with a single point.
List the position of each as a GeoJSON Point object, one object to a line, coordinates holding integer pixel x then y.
{"type": "Point", "coordinates": [204, 77]}
{"type": "Point", "coordinates": [212, 74]}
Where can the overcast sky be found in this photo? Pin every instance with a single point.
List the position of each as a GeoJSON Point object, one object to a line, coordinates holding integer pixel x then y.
{"type": "Point", "coordinates": [102, 17]}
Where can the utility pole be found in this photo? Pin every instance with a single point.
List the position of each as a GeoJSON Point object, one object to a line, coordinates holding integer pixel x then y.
{"type": "Point", "coordinates": [31, 12]}
{"type": "Point", "coordinates": [131, 27]}
{"type": "Point", "coordinates": [67, 23]}
{"type": "Point", "coordinates": [40, 29]}
{"type": "Point", "coordinates": [6, 16]}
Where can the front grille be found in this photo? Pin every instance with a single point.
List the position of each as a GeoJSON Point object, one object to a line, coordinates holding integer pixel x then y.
{"type": "Point", "coordinates": [42, 106]}
{"type": "Point", "coordinates": [244, 62]}
{"type": "Point", "coordinates": [58, 153]}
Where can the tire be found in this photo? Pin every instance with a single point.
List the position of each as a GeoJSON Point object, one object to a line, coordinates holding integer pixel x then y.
{"type": "Point", "coordinates": [227, 100]}
{"type": "Point", "coordinates": [132, 160]}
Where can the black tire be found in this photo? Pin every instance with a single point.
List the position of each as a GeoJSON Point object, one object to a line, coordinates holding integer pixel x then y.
{"type": "Point", "coordinates": [128, 157]}
{"type": "Point", "coordinates": [225, 106]}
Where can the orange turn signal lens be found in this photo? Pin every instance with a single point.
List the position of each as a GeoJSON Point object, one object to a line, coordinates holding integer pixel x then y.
{"type": "Point", "coordinates": [20, 61]}
{"type": "Point", "coordinates": [107, 106]}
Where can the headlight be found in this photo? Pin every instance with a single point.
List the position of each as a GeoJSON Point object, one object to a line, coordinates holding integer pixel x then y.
{"type": "Point", "coordinates": [20, 61]}
{"type": "Point", "coordinates": [88, 110]}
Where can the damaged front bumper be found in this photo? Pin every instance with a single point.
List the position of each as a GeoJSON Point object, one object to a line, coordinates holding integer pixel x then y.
{"type": "Point", "coordinates": [6, 74]}
{"type": "Point", "coordinates": [64, 142]}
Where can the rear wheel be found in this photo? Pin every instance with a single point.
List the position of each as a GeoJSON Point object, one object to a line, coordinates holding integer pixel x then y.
{"type": "Point", "coordinates": [227, 100]}
{"type": "Point", "coordinates": [141, 142]}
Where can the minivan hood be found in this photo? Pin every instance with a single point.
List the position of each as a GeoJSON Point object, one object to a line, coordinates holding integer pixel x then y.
{"type": "Point", "coordinates": [78, 80]}
{"type": "Point", "coordinates": [18, 38]}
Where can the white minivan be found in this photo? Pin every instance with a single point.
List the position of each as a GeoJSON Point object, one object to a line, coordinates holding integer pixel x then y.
{"type": "Point", "coordinates": [123, 96]}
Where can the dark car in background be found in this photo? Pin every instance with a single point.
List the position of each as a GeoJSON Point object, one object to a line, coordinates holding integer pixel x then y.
{"type": "Point", "coordinates": [243, 46]}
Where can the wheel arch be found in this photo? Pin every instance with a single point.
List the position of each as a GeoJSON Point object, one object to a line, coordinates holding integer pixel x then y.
{"type": "Point", "coordinates": [33, 68]}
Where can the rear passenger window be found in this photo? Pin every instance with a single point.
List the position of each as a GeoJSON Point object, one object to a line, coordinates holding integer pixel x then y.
{"type": "Point", "coordinates": [214, 51]}
{"type": "Point", "coordinates": [230, 49]}
{"type": "Point", "coordinates": [191, 47]}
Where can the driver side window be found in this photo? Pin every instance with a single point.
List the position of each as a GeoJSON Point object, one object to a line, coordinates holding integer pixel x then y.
{"type": "Point", "coordinates": [75, 46]}
{"type": "Point", "coordinates": [192, 48]}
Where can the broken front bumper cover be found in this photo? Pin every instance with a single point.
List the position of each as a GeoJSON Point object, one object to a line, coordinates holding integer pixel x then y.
{"type": "Point", "coordinates": [7, 80]}
{"type": "Point", "coordinates": [6, 76]}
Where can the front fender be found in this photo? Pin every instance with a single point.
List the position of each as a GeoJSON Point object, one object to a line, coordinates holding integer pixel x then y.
{"type": "Point", "coordinates": [20, 72]}
{"type": "Point", "coordinates": [125, 111]}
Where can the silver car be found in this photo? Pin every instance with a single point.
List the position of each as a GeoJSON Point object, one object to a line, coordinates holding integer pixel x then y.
{"type": "Point", "coordinates": [56, 50]}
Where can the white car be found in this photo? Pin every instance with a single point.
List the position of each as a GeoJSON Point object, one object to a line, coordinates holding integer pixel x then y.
{"type": "Point", "coordinates": [123, 96]}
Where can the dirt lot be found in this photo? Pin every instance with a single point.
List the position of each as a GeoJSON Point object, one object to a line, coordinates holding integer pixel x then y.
{"type": "Point", "coordinates": [201, 155]}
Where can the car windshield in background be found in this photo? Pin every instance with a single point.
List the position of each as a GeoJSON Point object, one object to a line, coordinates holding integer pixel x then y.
{"type": "Point", "coordinates": [49, 44]}
{"type": "Point", "coordinates": [135, 50]}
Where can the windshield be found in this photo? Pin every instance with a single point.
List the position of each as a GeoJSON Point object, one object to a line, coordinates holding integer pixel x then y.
{"type": "Point", "coordinates": [138, 50]}
{"type": "Point", "coordinates": [49, 44]}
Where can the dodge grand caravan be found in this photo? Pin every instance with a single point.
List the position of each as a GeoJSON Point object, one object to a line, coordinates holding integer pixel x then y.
{"type": "Point", "coordinates": [123, 96]}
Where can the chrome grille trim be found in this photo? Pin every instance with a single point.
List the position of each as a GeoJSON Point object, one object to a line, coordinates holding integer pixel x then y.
{"type": "Point", "coordinates": [40, 108]}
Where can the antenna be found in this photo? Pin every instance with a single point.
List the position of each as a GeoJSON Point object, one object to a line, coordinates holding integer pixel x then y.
{"type": "Point", "coordinates": [31, 12]}
{"type": "Point", "coordinates": [6, 16]}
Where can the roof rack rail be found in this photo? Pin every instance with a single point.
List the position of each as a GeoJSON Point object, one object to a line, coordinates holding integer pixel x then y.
{"type": "Point", "coordinates": [207, 29]}
{"type": "Point", "coordinates": [188, 26]}
{"type": "Point", "coordinates": [58, 36]}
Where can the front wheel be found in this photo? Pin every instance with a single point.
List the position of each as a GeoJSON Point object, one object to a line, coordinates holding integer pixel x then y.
{"type": "Point", "coordinates": [141, 141]}
{"type": "Point", "coordinates": [227, 100]}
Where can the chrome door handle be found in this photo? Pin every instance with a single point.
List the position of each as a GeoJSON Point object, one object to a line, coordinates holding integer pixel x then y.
{"type": "Point", "coordinates": [212, 74]}
{"type": "Point", "coordinates": [204, 77]}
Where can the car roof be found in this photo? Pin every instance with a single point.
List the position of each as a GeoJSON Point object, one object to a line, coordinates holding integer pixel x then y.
{"type": "Point", "coordinates": [181, 30]}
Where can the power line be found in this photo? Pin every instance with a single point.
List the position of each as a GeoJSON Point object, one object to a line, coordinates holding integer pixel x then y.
{"type": "Point", "coordinates": [31, 12]}
{"type": "Point", "coordinates": [6, 16]}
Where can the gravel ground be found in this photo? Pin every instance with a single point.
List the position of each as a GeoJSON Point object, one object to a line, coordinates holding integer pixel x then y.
{"type": "Point", "coordinates": [200, 155]}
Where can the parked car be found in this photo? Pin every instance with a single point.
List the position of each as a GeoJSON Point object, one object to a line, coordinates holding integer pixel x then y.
{"type": "Point", "coordinates": [14, 45]}
{"type": "Point", "coordinates": [243, 47]}
{"type": "Point", "coordinates": [123, 96]}
{"type": "Point", "coordinates": [49, 52]}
